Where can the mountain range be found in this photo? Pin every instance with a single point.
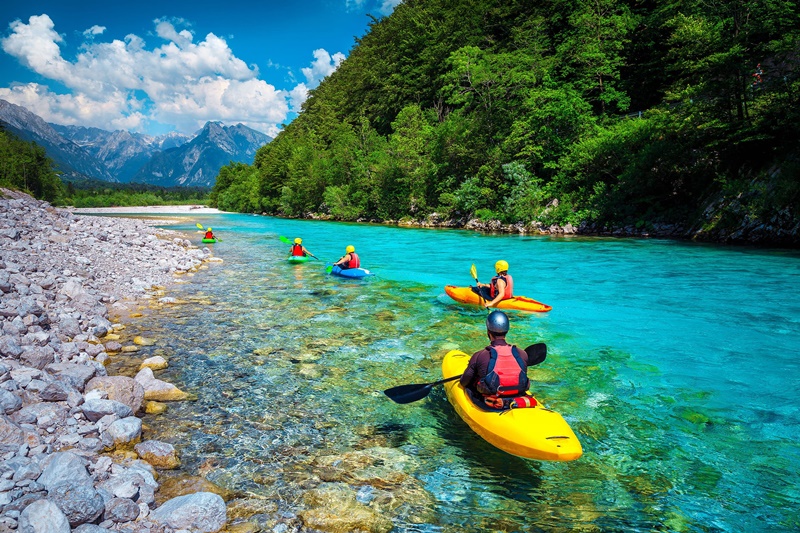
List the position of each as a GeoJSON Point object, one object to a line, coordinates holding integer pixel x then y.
{"type": "Point", "coordinates": [167, 160]}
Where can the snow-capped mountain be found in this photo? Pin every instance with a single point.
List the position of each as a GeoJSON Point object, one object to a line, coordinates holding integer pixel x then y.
{"type": "Point", "coordinates": [72, 160]}
{"type": "Point", "coordinates": [168, 160]}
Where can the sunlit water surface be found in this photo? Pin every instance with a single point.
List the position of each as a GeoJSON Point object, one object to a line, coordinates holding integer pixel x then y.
{"type": "Point", "coordinates": [676, 364]}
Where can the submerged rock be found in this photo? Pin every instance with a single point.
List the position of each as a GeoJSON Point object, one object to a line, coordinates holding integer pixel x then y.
{"type": "Point", "coordinates": [334, 507]}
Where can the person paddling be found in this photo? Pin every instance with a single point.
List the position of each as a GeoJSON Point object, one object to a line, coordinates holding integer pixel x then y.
{"type": "Point", "coordinates": [498, 374]}
{"type": "Point", "coordinates": [500, 288]}
{"type": "Point", "coordinates": [349, 259]}
{"type": "Point", "coordinates": [298, 250]}
{"type": "Point", "coordinates": [209, 234]}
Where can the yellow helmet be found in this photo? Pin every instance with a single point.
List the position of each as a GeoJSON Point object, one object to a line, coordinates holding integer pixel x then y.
{"type": "Point", "coordinates": [350, 249]}
{"type": "Point", "coordinates": [298, 241]}
{"type": "Point", "coordinates": [501, 266]}
{"type": "Point", "coordinates": [208, 229]}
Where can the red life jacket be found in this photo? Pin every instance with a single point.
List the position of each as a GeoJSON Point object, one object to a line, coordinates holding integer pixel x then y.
{"type": "Point", "coordinates": [209, 235]}
{"type": "Point", "coordinates": [297, 250]}
{"type": "Point", "coordinates": [354, 262]}
{"type": "Point", "coordinates": [509, 292]}
{"type": "Point", "coordinates": [506, 374]}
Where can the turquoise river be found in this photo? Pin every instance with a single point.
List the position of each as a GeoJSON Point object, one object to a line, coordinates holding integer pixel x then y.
{"type": "Point", "coordinates": [677, 365]}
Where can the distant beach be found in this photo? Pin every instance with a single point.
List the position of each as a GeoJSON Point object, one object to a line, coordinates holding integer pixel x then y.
{"type": "Point", "coordinates": [148, 210]}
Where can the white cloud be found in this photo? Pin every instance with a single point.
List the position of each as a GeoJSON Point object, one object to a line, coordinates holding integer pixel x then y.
{"type": "Point", "coordinates": [324, 64]}
{"type": "Point", "coordinates": [387, 6]}
{"type": "Point", "coordinates": [94, 30]}
{"type": "Point", "coordinates": [182, 82]}
{"type": "Point", "coordinates": [297, 97]}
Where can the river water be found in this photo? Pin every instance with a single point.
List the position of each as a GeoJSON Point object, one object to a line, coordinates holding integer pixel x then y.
{"type": "Point", "coordinates": [677, 365]}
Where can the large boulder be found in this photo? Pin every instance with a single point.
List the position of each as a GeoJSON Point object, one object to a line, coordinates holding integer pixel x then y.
{"type": "Point", "coordinates": [202, 512]}
{"type": "Point", "coordinates": [120, 388]}
{"type": "Point", "coordinates": [79, 502]}
{"type": "Point", "coordinates": [63, 467]}
{"type": "Point", "coordinates": [42, 516]}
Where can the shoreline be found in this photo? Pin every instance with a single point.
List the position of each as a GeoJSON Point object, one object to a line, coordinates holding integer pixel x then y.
{"type": "Point", "coordinates": [71, 438]}
{"type": "Point", "coordinates": [148, 210]}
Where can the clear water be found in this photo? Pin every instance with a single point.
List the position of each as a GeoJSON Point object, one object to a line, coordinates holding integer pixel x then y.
{"type": "Point", "coordinates": [677, 365]}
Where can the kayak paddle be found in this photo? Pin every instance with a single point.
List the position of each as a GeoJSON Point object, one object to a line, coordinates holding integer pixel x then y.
{"type": "Point", "coordinates": [403, 394]}
{"type": "Point", "coordinates": [474, 272]}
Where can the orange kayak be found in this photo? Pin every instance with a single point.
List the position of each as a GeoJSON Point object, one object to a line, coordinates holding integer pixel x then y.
{"type": "Point", "coordinates": [520, 303]}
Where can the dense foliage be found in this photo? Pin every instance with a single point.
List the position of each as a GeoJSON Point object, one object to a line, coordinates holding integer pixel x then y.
{"type": "Point", "coordinates": [24, 166]}
{"type": "Point", "coordinates": [556, 111]}
{"type": "Point", "coordinates": [92, 193]}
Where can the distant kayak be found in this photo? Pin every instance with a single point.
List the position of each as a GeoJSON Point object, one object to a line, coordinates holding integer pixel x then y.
{"type": "Point", "coordinates": [351, 272]}
{"type": "Point", "coordinates": [209, 241]}
{"type": "Point", "coordinates": [465, 295]}
{"type": "Point", "coordinates": [298, 258]}
{"type": "Point", "coordinates": [532, 432]}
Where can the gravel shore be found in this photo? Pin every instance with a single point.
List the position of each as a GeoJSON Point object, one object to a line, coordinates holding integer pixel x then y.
{"type": "Point", "coordinates": [63, 419]}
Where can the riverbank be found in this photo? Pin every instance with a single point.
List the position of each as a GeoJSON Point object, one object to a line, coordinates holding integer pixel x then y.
{"type": "Point", "coordinates": [70, 438]}
{"type": "Point", "coordinates": [783, 230]}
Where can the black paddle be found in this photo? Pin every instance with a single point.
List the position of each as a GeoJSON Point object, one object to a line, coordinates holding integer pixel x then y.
{"type": "Point", "coordinates": [411, 393]}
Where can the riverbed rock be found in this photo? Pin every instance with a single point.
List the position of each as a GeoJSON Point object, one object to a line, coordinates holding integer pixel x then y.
{"type": "Point", "coordinates": [122, 433]}
{"type": "Point", "coordinates": [333, 507]}
{"type": "Point", "coordinates": [156, 389]}
{"type": "Point", "coordinates": [43, 516]}
{"type": "Point", "coordinates": [161, 455]}
{"type": "Point", "coordinates": [79, 502]}
{"type": "Point", "coordinates": [203, 512]}
{"type": "Point", "coordinates": [119, 388]}
{"type": "Point", "coordinates": [95, 409]}
{"type": "Point", "coordinates": [63, 467]}
{"type": "Point", "coordinates": [154, 363]}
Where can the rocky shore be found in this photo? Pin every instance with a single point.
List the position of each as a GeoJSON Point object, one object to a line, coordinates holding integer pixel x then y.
{"type": "Point", "coordinates": [73, 458]}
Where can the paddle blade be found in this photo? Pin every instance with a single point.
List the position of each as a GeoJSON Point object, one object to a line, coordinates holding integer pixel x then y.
{"type": "Point", "coordinates": [408, 393]}
{"type": "Point", "coordinates": [284, 240]}
{"type": "Point", "coordinates": [473, 271]}
{"type": "Point", "coordinates": [199, 225]}
{"type": "Point", "coordinates": [329, 269]}
{"type": "Point", "coordinates": [536, 353]}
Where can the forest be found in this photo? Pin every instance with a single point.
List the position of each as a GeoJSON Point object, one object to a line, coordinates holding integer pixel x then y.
{"type": "Point", "coordinates": [598, 114]}
{"type": "Point", "coordinates": [25, 166]}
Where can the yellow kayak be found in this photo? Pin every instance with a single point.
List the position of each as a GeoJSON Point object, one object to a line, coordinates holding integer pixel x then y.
{"type": "Point", "coordinates": [533, 432]}
{"type": "Point", "coordinates": [520, 303]}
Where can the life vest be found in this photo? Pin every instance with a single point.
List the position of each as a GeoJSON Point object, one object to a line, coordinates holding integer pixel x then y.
{"type": "Point", "coordinates": [509, 292]}
{"type": "Point", "coordinates": [209, 235]}
{"type": "Point", "coordinates": [297, 250]}
{"type": "Point", "coordinates": [505, 375]}
{"type": "Point", "coordinates": [354, 262]}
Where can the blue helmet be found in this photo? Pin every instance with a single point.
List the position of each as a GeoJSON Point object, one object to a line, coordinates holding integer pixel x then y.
{"type": "Point", "coordinates": [497, 322]}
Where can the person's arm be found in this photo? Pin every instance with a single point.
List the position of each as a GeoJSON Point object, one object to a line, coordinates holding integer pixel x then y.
{"type": "Point", "coordinates": [501, 290]}
{"type": "Point", "coordinates": [469, 373]}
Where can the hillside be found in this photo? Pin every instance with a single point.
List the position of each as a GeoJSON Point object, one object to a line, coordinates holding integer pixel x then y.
{"type": "Point", "coordinates": [667, 118]}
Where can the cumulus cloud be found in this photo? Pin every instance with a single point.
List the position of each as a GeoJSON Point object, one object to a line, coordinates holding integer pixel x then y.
{"type": "Point", "coordinates": [324, 64]}
{"type": "Point", "coordinates": [123, 84]}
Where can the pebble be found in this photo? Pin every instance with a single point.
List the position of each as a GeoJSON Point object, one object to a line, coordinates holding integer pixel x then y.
{"type": "Point", "coordinates": [59, 275]}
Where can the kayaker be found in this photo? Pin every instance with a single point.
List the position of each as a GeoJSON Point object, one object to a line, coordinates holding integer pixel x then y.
{"type": "Point", "coordinates": [498, 374]}
{"type": "Point", "coordinates": [349, 259]}
{"type": "Point", "coordinates": [298, 250]}
{"type": "Point", "coordinates": [500, 288]}
{"type": "Point", "coordinates": [209, 234]}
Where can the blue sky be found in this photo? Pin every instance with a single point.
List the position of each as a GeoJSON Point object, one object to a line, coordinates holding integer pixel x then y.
{"type": "Point", "coordinates": [159, 66]}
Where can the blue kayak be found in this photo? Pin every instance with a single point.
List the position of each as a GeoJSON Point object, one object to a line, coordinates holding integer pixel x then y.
{"type": "Point", "coordinates": [351, 272]}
